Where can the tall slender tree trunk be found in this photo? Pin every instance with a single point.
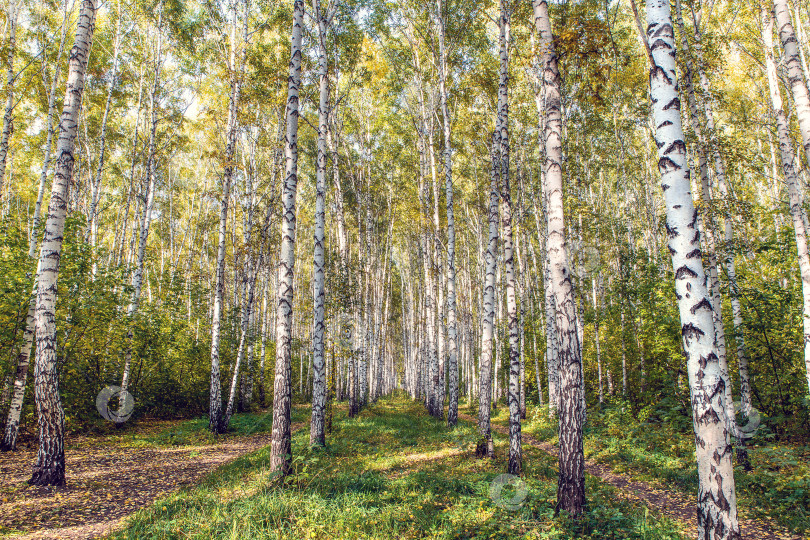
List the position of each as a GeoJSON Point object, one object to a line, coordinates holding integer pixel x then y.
{"type": "Point", "coordinates": [146, 218]}
{"type": "Point", "coordinates": [8, 115]}
{"type": "Point", "coordinates": [452, 332]}
{"type": "Point", "coordinates": [571, 483]}
{"type": "Point", "coordinates": [795, 73]}
{"type": "Point", "coordinates": [281, 449]}
{"type": "Point", "coordinates": [319, 390]}
{"type": "Point", "coordinates": [96, 183]}
{"type": "Point", "coordinates": [49, 468]}
{"type": "Point", "coordinates": [263, 349]}
{"type": "Point", "coordinates": [217, 422]}
{"type": "Point", "coordinates": [485, 444]}
{"type": "Point", "coordinates": [596, 295]}
{"type": "Point", "coordinates": [717, 502]}
{"type": "Point", "coordinates": [515, 464]}
{"type": "Point", "coordinates": [792, 180]}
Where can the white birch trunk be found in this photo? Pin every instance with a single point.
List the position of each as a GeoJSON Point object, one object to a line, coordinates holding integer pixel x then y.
{"type": "Point", "coordinates": [281, 449]}
{"type": "Point", "coordinates": [146, 218]}
{"type": "Point", "coordinates": [515, 464]}
{"type": "Point", "coordinates": [571, 483]}
{"type": "Point", "coordinates": [8, 116]}
{"type": "Point", "coordinates": [795, 73]}
{"type": "Point", "coordinates": [319, 390]}
{"type": "Point", "coordinates": [452, 332]}
{"type": "Point", "coordinates": [49, 468]}
{"type": "Point", "coordinates": [792, 180]}
{"type": "Point", "coordinates": [96, 183]}
{"type": "Point", "coordinates": [717, 502]}
{"type": "Point", "coordinates": [217, 422]}
{"type": "Point", "coordinates": [485, 444]}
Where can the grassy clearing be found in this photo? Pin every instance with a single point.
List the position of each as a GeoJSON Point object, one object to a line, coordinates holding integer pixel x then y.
{"type": "Point", "coordinates": [194, 432]}
{"type": "Point", "coordinates": [660, 451]}
{"type": "Point", "coordinates": [394, 472]}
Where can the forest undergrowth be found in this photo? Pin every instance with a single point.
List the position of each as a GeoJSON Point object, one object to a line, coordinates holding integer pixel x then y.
{"type": "Point", "coordinates": [392, 472]}
{"type": "Point", "coordinates": [656, 446]}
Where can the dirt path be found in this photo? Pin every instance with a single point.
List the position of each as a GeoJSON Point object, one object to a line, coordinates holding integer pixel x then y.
{"type": "Point", "coordinates": [673, 504]}
{"type": "Point", "coordinates": [105, 484]}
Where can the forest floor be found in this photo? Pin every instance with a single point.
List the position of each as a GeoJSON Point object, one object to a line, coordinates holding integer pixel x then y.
{"type": "Point", "coordinates": [665, 500]}
{"type": "Point", "coordinates": [392, 472]}
{"type": "Point", "coordinates": [111, 476]}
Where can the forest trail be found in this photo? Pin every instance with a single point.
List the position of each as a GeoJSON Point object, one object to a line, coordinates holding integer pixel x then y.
{"type": "Point", "coordinates": [672, 504]}
{"type": "Point", "coordinates": [106, 482]}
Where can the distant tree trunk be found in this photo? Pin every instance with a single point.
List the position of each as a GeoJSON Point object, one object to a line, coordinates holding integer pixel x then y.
{"type": "Point", "coordinates": [8, 116]}
{"type": "Point", "coordinates": [552, 340]}
{"type": "Point", "coordinates": [795, 73]}
{"type": "Point", "coordinates": [119, 244]}
{"type": "Point", "coordinates": [515, 464]}
{"type": "Point", "coordinates": [792, 180]}
{"type": "Point", "coordinates": [485, 445]}
{"type": "Point", "coordinates": [452, 333]}
{"type": "Point", "coordinates": [571, 484]}
{"type": "Point", "coordinates": [522, 320]}
{"type": "Point", "coordinates": [251, 272]}
{"type": "Point", "coordinates": [596, 294]}
{"type": "Point", "coordinates": [317, 435]}
{"type": "Point", "coordinates": [217, 422]}
{"type": "Point", "coordinates": [281, 449]}
{"type": "Point", "coordinates": [49, 468]}
{"type": "Point", "coordinates": [96, 183]}
{"type": "Point", "coordinates": [146, 218]}
{"type": "Point", "coordinates": [263, 350]}
{"type": "Point", "coordinates": [717, 504]}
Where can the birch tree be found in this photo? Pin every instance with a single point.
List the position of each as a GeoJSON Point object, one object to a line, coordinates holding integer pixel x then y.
{"type": "Point", "coordinates": [801, 99]}
{"type": "Point", "coordinates": [452, 333]}
{"type": "Point", "coordinates": [485, 444]}
{"type": "Point", "coordinates": [281, 450]}
{"type": "Point", "coordinates": [571, 483]}
{"type": "Point", "coordinates": [319, 391]}
{"type": "Point", "coordinates": [8, 114]}
{"type": "Point", "coordinates": [49, 467]}
{"type": "Point", "coordinates": [216, 420]}
{"type": "Point", "coordinates": [717, 502]}
{"type": "Point", "coordinates": [502, 128]}
{"type": "Point", "coordinates": [148, 205]}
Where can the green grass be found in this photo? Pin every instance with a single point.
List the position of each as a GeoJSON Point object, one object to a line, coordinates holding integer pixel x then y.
{"type": "Point", "coordinates": [393, 472]}
{"type": "Point", "coordinates": [195, 432]}
{"type": "Point", "coordinates": [657, 450]}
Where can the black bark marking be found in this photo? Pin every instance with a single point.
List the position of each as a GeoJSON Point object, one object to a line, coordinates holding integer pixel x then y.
{"type": "Point", "coordinates": [656, 70]}
{"type": "Point", "coordinates": [666, 165]}
{"type": "Point", "coordinates": [677, 145]}
{"type": "Point", "coordinates": [674, 104]}
{"type": "Point", "coordinates": [689, 330]}
{"type": "Point", "coordinates": [664, 30]}
{"type": "Point", "coordinates": [702, 304]}
{"type": "Point", "coordinates": [694, 254]}
{"type": "Point", "coordinates": [685, 271]}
